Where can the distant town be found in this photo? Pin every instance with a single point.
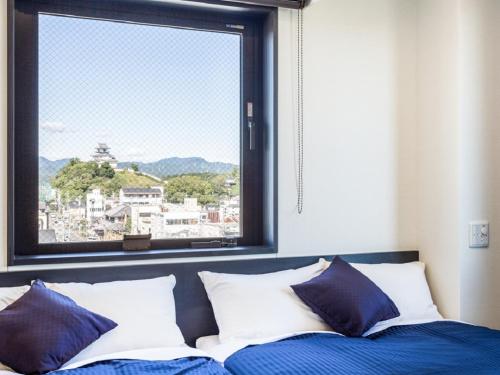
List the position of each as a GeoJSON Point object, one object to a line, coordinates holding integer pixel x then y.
{"type": "Point", "coordinates": [95, 200]}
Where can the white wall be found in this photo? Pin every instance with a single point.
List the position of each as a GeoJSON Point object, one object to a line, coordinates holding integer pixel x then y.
{"type": "Point", "coordinates": [480, 158]}
{"type": "Point", "coordinates": [360, 177]}
{"type": "Point", "coordinates": [438, 152]}
{"type": "Point", "coordinates": [458, 153]}
{"type": "Point", "coordinates": [360, 82]}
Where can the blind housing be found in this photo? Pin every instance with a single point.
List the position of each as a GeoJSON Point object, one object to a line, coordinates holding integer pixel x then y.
{"type": "Point", "coordinates": [292, 4]}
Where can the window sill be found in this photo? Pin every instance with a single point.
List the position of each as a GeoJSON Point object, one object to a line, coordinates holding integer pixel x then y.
{"type": "Point", "coordinates": [114, 256]}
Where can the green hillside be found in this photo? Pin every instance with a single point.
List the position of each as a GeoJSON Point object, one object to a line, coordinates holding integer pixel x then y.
{"type": "Point", "coordinates": [77, 178]}
{"type": "Point", "coordinates": [134, 179]}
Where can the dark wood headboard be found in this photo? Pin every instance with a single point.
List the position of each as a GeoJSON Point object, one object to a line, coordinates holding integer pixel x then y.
{"type": "Point", "coordinates": [194, 312]}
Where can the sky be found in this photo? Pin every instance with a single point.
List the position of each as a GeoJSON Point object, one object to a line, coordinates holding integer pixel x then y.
{"type": "Point", "coordinates": [149, 92]}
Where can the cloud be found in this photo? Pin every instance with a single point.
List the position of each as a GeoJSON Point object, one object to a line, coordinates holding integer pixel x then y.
{"type": "Point", "coordinates": [53, 126]}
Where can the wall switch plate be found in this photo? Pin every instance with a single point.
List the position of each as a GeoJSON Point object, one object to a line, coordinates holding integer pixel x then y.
{"type": "Point", "coordinates": [479, 234]}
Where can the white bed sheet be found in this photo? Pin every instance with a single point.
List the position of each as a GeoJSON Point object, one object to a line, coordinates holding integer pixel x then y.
{"type": "Point", "coordinates": [220, 352]}
{"type": "Point", "coordinates": [153, 354]}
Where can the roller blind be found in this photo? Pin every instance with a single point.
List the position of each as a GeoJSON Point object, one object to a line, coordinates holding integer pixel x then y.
{"type": "Point", "coordinates": [293, 4]}
{"type": "Point", "coordinates": [296, 4]}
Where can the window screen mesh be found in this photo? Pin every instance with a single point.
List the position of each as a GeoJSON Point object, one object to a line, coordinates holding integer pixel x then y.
{"type": "Point", "coordinates": [139, 131]}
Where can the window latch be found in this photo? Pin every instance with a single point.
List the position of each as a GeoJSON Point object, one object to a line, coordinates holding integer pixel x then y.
{"type": "Point", "coordinates": [251, 126]}
{"type": "Point", "coordinates": [251, 129]}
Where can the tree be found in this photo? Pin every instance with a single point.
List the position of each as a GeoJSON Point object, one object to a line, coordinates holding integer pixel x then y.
{"type": "Point", "coordinates": [219, 185]}
{"type": "Point", "coordinates": [134, 167]}
{"type": "Point", "coordinates": [190, 186]}
{"type": "Point", "coordinates": [235, 175]}
{"type": "Point", "coordinates": [106, 171]}
{"type": "Point", "coordinates": [75, 179]}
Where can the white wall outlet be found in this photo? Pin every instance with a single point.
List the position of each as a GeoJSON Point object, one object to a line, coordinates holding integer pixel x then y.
{"type": "Point", "coordinates": [479, 234]}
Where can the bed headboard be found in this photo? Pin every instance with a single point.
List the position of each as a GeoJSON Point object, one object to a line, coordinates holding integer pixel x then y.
{"type": "Point", "coordinates": [194, 312]}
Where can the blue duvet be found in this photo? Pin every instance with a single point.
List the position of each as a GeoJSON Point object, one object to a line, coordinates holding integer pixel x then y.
{"type": "Point", "coordinates": [184, 366]}
{"type": "Point", "coordinates": [433, 348]}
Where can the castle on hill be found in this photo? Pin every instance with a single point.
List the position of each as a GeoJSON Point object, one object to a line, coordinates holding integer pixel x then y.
{"type": "Point", "coordinates": [102, 155]}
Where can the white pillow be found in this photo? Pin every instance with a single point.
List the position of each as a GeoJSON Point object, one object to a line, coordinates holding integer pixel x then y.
{"type": "Point", "coordinates": [10, 295]}
{"type": "Point", "coordinates": [144, 311]}
{"type": "Point", "coordinates": [260, 306]}
{"type": "Point", "coordinates": [406, 285]}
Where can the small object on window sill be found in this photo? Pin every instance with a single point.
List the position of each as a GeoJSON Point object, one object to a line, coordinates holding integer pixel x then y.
{"type": "Point", "coordinates": [136, 242]}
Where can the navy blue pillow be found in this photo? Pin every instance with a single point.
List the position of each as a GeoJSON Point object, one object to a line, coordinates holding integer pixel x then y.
{"type": "Point", "coordinates": [43, 329]}
{"type": "Point", "coordinates": [346, 300]}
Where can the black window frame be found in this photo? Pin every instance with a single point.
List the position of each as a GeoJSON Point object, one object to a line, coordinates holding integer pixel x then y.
{"type": "Point", "coordinates": [258, 167]}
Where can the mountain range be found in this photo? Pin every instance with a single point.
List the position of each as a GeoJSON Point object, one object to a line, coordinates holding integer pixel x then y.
{"type": "Point", "coordinates": [49, 168]}
{"type": "Point", "coordinates": [175, 166]}
{"type": "Point", "coordinates": [161, 168]}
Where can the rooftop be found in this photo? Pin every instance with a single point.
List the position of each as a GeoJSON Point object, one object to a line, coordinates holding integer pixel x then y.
{"type": "Point", "coordinates": [118, 211]}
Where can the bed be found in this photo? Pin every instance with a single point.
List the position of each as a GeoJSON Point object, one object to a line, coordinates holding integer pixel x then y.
{"type": "Point", "coordinates": [132, 330]}
{"type": "Point", "coordinates": [415, 341]}
{"type": "Point", "coordinates": [194, 313]}
{"type": "Point", "coordinates": [442, 347]}
{"type": "Point", "coordinates": [423, 347]}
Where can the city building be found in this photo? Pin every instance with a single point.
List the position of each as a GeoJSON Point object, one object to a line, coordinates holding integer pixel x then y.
{"type": "Point", "coordinates": [142, 218]}
{"type": "Point", "coordinates": [118, 214]}
{"type": "Point", "coordinates": [76, 209]}
{"type": "Point", "coordinates": [191, 204]}
{"type": "Point", "coordinates": [95, 205]}
{"type": "Point", "coordinates": [139, 196]}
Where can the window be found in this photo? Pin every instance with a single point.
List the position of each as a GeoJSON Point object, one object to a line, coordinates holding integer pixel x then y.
{"type": "Point", "coordinates": [138, 118]}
